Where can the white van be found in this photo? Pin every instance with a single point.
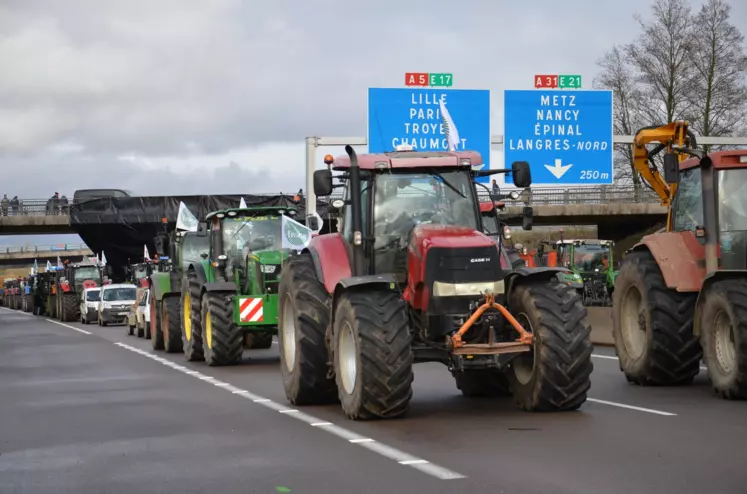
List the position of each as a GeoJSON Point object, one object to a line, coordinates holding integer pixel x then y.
{"type": "Point", "coordinates": [115, 302]}
{"type": "Point", "coordinates": [89, 305]}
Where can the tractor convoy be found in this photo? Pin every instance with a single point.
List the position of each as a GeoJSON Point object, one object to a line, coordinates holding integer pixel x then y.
{"type": "Point", "coordinates": [417, 270]}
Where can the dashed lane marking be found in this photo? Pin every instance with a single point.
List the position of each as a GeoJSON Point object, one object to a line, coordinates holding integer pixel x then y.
{"type": "Point", "coordinates": [68, 326]}
{"type": "Point", "coordinates": [382, 449]}
{"type": "Point", "coordinates": [19, 312]}
{"type": "Point", "coordinates": [631, 407]}
{"type": "Point", "coordinates": [612, 357]}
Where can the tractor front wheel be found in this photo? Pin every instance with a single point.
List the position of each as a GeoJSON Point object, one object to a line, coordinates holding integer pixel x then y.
{"type": "Point", "coordinates": [191, 322]}
{"type": "Point", "coordinates": [723, 323]}
{"type": "Point", "coordinates": [223, 339]}
{"type": "Point", "coordinates": [556, 374]}
{"type": "Point", "coordinates": [156, 325]}
{"type": "Point", "coordinates": [170, 327]}
{"type": "Point", "coordinates": [373, 355]}
{"type": "Point", "coordinates": [70, 309]}
{"type": "Point", "coordinates": [652, 325]}
{"type": "Point", "coordinates": [303, 317]}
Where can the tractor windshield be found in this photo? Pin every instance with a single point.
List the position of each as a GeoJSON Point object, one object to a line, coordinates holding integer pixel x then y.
{"type": "Point", "coordinates": [588, 258]}
{"type": "Point", "coordinates": [732, 217]}
{"type": "Point", "coordinates": [252, 234]}
{"type": "Point", "coordinates": [87, 273]}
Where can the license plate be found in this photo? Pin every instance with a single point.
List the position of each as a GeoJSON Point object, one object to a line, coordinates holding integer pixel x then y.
{"type": "Point", "coordinates": [121, 313]}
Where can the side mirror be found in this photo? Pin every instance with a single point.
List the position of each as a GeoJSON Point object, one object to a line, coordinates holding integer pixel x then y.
{"type": "Point", "coordinates": [322, 182]}
{"type": "Point", "coordinates": [671, 168]}
{"type": "Point", "coordinates": [204, 255]}
{"type": "Point", "coordinates": [521, 174]}
{"type": "Point", "coordinates": [202, 228]}
{"type": "Point", "coordinates": [528, 219]}
{"type": "Point", "coordinates": [312, 222]}
{"type": "Point", "coordinates": [161, 246]}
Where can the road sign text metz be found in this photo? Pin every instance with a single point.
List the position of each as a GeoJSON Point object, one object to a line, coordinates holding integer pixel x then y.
{"type": "Point", "coordinates": [565, 136]}
{"type": "Point", "coordinates": [413, 116]}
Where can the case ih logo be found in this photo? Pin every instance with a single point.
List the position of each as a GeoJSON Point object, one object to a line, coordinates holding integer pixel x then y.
{"type": "Point", "coordinates": [480, 259]}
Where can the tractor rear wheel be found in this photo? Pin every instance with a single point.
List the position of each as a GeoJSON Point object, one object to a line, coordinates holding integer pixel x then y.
{"type": "Point", "coordinates": [70, 309]}
{"type": "Point", "coordinates": [223, 339]}
{"type": "Point", "coordinates": [171, 328]}
{"type": "Point", "coordinates": [258, 341]}
{"type": "Point", "coordinates": [723, 323]}
{"type": "Point", "coordinates": [555, 374]}
{"type": "Point", "coordinates": [191, 321]}
{"type": "Point", "coordinates": [156, 325]}
{"type": "Point", "coordinates": [303, 318]}
{"type": "Point", "coordinates": [652, 326]}
{"type": "Point", "coordinates": [482, 383]}
{"type": "Point", "coordinates": [373, 355]}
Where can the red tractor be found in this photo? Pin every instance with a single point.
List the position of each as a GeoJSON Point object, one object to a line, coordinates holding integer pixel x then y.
{"type": "Point", "coordinates": [412, 277]}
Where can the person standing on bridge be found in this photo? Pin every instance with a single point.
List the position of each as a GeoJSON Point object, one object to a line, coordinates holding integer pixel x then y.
{"type": "Point", "coordinates": [14, 205]}
{"type": "Point", "coordinates": [4, 205]}
{"type": "Point", "coordinates": [64, 204]}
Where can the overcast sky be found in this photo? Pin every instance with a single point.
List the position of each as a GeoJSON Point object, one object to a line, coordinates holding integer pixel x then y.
{"type": "Point", "coordinates": [195, 96]}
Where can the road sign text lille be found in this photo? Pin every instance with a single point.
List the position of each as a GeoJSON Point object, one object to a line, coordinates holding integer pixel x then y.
{"type": "Point", "coordinates": [565, 136]}
{"type": "Point", "coordinates": [424, 79]}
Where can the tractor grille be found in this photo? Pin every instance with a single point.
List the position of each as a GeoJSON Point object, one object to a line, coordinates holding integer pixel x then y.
{"type": "Point", "coordinates": [272, 280]}
{"type": "Point", "coordinates": [465, 265]}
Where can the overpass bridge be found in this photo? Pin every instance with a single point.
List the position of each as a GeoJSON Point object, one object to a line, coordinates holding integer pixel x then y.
{"type": "Point", "coordinates": [617, 211]}
{"type": "Point", "coordinates": [18, 260]}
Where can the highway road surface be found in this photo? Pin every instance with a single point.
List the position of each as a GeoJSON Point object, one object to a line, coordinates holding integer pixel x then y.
{"type": "Point", "coordinates": [90, 410]}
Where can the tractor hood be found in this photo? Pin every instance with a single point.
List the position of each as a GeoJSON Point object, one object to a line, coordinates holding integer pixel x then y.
{"type": "Point", "coordinates": [425, 237]}
{"type": "Point", "coordinates": [268, 256]}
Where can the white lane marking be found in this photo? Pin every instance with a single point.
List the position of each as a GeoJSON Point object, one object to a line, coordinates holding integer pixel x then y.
{"type": "Point", "coordinates": [400, 457]}
{"type": "Point", "coordinates": [612, 357]}
{"type": "Point", "coordinates": [29, 313]}
{"type": "Point", "coordinates": [631, 407]}
{"type": "Point", "coordinates": [68, 326]}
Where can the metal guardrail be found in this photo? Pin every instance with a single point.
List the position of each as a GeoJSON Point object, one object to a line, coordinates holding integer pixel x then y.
{"type": "Point", "coordinates": [32, 249]}
{"type": "Point", "coordinates": [532, 196]}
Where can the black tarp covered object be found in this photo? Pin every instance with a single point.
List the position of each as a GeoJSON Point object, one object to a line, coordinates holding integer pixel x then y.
{"type": "Point", "coordinates": [121, 226]}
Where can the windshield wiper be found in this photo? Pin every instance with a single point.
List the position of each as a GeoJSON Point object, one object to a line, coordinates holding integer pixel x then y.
{"type": "Point", "coordinates": [448, 184]}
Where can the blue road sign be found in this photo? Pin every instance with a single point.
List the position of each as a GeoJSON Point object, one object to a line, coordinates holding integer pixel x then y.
{"type": "Point", "coordinates": [566, 136]}
{"type": "Point", "coordinates": [413, 116]}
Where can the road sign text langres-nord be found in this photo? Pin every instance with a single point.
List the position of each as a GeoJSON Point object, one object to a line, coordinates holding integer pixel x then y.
{"type": "Point", "coordinates": [413, 116]}
{"type": "Point", "coordinates": [565, 136]}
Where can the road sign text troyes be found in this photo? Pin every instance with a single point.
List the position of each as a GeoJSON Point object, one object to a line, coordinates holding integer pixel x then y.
{"type": "Point", "coordinates": [565, 136]}
{"type": "Point", "coordinates": [424, 79]}
{"type": "Point", "coordinates": [413, 116]}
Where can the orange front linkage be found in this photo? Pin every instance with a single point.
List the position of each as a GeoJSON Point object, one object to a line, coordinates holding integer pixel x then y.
{"type": "Point", "coordinates": [524, 336]}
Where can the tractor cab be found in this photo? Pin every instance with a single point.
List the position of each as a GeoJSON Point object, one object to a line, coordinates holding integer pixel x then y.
{"type": "Point", "coordinates": [246, 245]}
{"type": "Point", "coordinates": [81, 276]}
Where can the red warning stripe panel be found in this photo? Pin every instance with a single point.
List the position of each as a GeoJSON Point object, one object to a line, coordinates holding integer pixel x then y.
{"type": "Point", "coordinates": [250, 310]}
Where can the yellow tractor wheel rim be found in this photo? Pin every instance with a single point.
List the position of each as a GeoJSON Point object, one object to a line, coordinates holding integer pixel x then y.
{"type": "Point", "coordinates": [187, 317]}
{"type": "Point", "coordinates": [208, 330]}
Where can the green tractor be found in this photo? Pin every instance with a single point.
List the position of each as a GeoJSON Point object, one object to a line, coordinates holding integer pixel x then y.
{"type": "Point", "coordinates": [230, 297]}
{"type": "Point", "coordinates": [592, 260]}
{"type": "Point", "coordinates": [176, 250]}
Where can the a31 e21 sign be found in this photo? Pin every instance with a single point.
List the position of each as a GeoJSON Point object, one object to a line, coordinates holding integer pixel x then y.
{"type": "Point", "coordinates": [557, 81]}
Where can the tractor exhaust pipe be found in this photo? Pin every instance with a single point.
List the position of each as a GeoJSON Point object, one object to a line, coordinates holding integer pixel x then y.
{"type": "Point", "coordinates": [359, 268]}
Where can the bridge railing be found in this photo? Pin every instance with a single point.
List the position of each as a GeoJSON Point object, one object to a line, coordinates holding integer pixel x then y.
{"type": "Point", "coordinates": [43, 249]}
{"type": "Point", "coordinates": [534, 196]}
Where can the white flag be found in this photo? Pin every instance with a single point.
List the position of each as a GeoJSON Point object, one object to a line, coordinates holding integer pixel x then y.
{"type": "Point", "coordinates": [59, 262]}
{"type": "Point", "coordinates": [49, 266]}
{"type": "Point", "coordinates": [146, 254]}
{"type": "Point", "coordinates": [103, 258]}
{"type": "Point", "coordinates": [452, 134]}
{"type": "Point", "coordinates": [295, 236]}
{"type": "Point", "coordinates": [242, 204]}
{"type": "Point", "coordinates": [185, 219]}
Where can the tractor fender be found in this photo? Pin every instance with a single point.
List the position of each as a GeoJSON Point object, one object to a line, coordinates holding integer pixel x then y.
{"type": "Point", "coordinates": [524, 274]}
{"type": "Point", "coordinates": [716, 276]}
{"type": "Point", "coordinates": [681, 258]}
{"type": "Point", "coordinates": [331, 259]}
{"type": "Point", "coordinates": [357, 282]}
{"type": "Point", "coordinates": [160, 285]}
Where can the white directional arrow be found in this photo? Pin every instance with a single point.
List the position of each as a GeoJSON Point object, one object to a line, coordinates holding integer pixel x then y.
{"type": "Point", "coordinates": [559, 168]}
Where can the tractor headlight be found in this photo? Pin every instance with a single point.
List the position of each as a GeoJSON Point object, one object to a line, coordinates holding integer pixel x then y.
{"type": "Point", "coordinates": [513, 194]}
{"type": "Point", "coordinates": [441, 289]}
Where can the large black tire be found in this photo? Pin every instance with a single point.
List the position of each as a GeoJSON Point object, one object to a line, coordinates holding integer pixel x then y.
{"type": "Point", "coordinates": [372, 327]}
{"type": "Point", "coordinates": [303, 316]}
{"type": "Point", "coordinates": [171, 327]}
{"type": "Point", "coordinates": [258, 341]}
{"type": "Point", "coordinates": [724, 339]}
{"type": "Point", "coordinates": [28, 303]}
{"type": "Point", "coordinates": [223, 339]}
{"type": "Point", "coordinates": [156, 326]}
{"type": "Point", "coordinates": [482, 383]}
{"type": "Point", "coordinates": [190, 319]}
{"type": "Point", "coordinates": [70, 308]}
{"type": "Point", "coordinates": [652, 326]}
{"type": "Point", "coordinates": [556, 374]}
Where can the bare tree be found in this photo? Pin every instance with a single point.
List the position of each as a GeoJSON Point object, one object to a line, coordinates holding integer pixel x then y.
{"type": "Point", "coordinates": [618, 75]}
{"type": "Point", "coordinates": [718, 95]}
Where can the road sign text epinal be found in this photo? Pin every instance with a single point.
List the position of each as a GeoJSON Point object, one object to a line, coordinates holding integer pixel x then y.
{"type": "Point", "coordinates": [566, 138]}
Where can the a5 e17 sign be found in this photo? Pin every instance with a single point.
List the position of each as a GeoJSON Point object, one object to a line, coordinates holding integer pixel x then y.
{"type": "Point", "coordinates": [566, 136]}
{"type": "Point", "coordinates": [413, 116]}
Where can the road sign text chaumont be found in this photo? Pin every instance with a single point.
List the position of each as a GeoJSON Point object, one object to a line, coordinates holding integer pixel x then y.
{"type": "Point", "coordinates": [412, 116]}
{"type": "Point", "coordinates": [565, 136]}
